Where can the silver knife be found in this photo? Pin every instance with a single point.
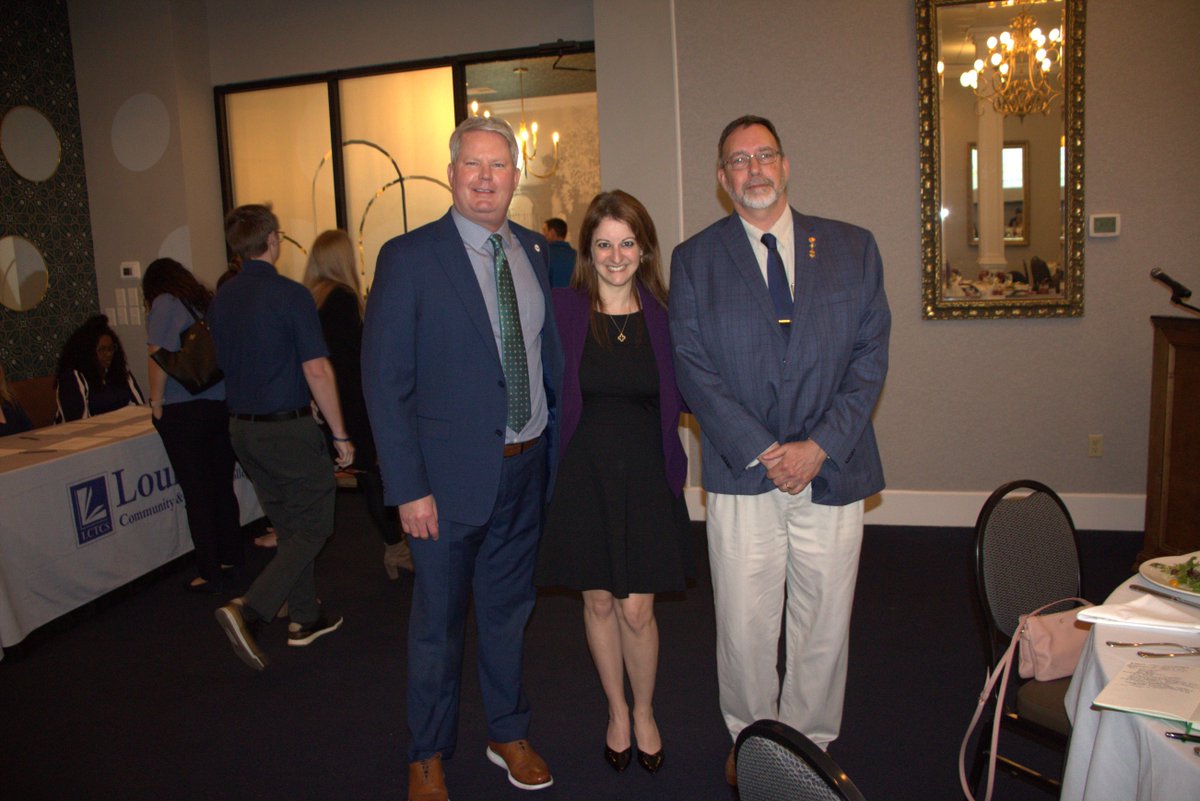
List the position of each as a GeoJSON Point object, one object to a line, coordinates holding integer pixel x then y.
{"type": "Point", "coordinates": [1162, 594]}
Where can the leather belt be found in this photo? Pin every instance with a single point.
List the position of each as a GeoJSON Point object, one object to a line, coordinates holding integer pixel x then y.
{"type": "Point", "coordinates": [275, 417]}
{"type": "Point", "coordinates": [515, 448]}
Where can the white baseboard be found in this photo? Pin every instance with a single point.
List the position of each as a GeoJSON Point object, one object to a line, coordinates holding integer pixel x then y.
{"type": "Point", "coordinates": [1090, 511]}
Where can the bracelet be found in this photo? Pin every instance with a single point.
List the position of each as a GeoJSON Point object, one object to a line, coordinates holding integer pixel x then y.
{"type": "Point", "coordinates": [341, 439]}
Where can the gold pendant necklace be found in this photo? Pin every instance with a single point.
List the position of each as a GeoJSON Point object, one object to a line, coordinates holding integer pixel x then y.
{"type": "Point", "coordinates": [621, 330]}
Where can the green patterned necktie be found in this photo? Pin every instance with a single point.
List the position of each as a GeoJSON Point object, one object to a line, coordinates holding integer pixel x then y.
{"type": "Point", "coordinates": [512, 340]}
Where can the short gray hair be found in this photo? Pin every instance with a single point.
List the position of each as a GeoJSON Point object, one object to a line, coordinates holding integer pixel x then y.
{"type": "Point", "coordinates": [493, 124]}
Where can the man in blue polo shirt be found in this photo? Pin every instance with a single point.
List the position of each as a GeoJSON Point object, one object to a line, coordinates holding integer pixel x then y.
{"type": "Point", "coordinates": [562, 255]}
{"type": "Point", "coordinates": [270, 346]}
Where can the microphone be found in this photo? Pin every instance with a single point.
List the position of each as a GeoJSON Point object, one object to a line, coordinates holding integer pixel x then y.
{"type": "Point", "coordinates": [1178, 290]}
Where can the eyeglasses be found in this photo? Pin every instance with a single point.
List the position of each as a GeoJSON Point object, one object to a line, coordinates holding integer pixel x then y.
{"type": "Point", "coordinates": [741, 161]}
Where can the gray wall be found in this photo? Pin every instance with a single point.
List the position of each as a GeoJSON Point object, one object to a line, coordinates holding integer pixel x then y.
{"type": "Point", "coordinates": [967, 404]}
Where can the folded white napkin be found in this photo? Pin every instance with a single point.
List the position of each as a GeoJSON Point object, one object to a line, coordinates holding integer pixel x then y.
{"type": "Point", "coordinates": [1145, 610]}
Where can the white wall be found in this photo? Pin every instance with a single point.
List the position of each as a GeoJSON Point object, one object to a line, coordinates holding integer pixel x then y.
{"type": "Point", "coordinates": [968, 404]}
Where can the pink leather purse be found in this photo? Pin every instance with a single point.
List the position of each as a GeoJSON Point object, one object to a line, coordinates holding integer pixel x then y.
{"type": "Point", "coordinates": [1050, 644]}
{"type": "Point", "coordinates": [1049, 649]}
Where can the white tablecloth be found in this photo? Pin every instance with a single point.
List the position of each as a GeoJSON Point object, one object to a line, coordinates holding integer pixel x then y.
{"type": "Point", "coordinates": [86, 507]}
{"type": "Point", "coordinates": [1119, 756]}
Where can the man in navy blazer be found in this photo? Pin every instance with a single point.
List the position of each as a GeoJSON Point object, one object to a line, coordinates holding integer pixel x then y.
{"type": "Point", "coordinates": [470, 476]}
{"type": "Point", "coordinates": [783, 374]}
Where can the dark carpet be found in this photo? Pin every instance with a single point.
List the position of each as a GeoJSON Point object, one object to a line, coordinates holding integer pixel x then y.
{"type": "Point", "coordinates": [138, 696]}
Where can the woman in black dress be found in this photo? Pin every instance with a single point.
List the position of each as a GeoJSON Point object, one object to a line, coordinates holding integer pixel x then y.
{"type": "Point", "coordinates": [332, 278]}
{"type": "Point", "coordinates": [617, 527]}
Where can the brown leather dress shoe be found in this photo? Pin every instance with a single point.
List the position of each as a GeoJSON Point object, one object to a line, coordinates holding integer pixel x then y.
{"type": "Point", "coordinates": [426, 780]}
{"type": "Point", "coordinates": [526, 769]}
{"type": "Point", "coordinates": [731, 769]}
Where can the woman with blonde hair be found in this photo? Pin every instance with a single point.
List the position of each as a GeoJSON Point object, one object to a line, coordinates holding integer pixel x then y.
{"type": "Point", "coordinates": [332, 277]}
{"type": "Point", "coordinates": [617, 527]}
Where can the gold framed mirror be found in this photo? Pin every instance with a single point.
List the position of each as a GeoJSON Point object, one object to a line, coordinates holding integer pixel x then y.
{"type": "Point", "coordinates": [991, 74]}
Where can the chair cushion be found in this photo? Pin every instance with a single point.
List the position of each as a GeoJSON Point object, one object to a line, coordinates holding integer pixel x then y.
{"type": "Point", "coordinates": [1041, 702]}
{"type": "Point", "coordinates": [38, 398]}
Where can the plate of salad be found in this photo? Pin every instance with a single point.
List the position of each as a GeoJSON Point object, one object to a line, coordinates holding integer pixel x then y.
{"type": "Point", "coordinates": [1178, 573]}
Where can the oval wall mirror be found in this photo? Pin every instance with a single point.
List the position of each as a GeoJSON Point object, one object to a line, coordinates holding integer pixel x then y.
{"type": "Point", "coordinates": [23, 275]}
{"type": "Point", "coordinates": [30, 143]}
{"type": "Point", "coordinates": [1001, 143]}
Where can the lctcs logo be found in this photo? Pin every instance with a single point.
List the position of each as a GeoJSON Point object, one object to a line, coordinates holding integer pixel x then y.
{"type": "Point", "coordinates": [89, 504]}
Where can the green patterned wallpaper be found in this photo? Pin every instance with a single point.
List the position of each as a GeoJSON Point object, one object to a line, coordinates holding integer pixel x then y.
{"type": "Point", "coordinates": [37, 69]}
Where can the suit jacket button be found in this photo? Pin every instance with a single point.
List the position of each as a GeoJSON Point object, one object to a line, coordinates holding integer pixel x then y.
{"type": "Point", "coordinates": [499, 432]}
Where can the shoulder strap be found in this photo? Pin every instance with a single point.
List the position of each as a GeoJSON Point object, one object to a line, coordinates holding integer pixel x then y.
{"type": "Point", "coordinates": [999, 674]}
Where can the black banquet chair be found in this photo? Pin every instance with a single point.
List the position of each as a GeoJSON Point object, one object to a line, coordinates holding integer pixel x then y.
{"type": "Point", "coordinates": [1027, 556]}
{"type": "Point", "coordinates": [777, 763]}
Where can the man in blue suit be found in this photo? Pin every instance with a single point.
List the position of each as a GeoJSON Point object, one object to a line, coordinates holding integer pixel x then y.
{"type": "Point", "coordinates": [461, 370]}
{"type": "Point", "coordinates": [780, 327]}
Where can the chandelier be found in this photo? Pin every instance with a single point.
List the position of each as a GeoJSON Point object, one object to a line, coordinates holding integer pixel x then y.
{"type": "Point", "coordinates": [1017, 76]}
{"type": "Point", "coordinates": [527, 136]}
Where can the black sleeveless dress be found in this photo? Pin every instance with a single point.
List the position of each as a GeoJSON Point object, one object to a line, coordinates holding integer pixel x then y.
{"type": "Point", "coordinates": [613, 523]}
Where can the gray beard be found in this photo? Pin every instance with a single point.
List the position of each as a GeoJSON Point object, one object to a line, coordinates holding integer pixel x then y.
{"type": "Point", "coordinates": [760, 201]}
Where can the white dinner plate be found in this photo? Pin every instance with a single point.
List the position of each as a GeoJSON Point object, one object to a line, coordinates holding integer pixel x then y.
{"type": "Point", "coordinates": [1161, 577]}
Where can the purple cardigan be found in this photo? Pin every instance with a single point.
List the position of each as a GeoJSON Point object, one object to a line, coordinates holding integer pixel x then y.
{"type": "Point", "coordinates": [571, 311]}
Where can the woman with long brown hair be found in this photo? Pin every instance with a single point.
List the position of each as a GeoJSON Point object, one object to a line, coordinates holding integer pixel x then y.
{"type": "Point", "coordinates": [617, 527]}
{"type": "Point", "coordinates": [194, 428]}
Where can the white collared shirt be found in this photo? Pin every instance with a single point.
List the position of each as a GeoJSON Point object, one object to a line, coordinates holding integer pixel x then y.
{"type": "Point", "coordinates": [786, 243]}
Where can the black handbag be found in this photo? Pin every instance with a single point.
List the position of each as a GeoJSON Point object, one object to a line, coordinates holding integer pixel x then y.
{"type": "Point", "coordinates": [194, 365]}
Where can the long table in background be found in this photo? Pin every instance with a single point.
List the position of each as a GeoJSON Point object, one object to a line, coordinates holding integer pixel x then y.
{"type": "Point", "coordinates": [85, 508]}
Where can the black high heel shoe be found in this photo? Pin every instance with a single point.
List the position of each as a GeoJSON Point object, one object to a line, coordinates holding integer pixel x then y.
{"type": "Point", "coordinates": [618, 760]}
{"type": "Point", "coordinates": [651, 762]}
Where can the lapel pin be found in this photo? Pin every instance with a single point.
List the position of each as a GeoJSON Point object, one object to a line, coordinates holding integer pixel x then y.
{"type": "Point", "coordinates": [537, 248]}
{"type": "Point", "coordinates": [812, 247]}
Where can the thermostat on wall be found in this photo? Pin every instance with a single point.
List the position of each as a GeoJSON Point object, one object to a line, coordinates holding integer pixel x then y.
{"type": "Point", "coordinates": [1104, 225]}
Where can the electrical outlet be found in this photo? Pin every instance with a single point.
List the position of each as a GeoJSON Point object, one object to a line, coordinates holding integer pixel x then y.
{"type": "Point", "coordinates": [1095, 445]}
{"type": "Point", "coordinates": [131, 269]}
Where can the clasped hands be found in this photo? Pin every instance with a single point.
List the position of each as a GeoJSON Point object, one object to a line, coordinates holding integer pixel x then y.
{"type": "Point", "coordinates": [792, 465]}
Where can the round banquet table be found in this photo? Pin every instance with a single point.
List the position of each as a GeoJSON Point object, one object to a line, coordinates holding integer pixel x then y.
{"type": "Point", "coordinates": [1121, 756]}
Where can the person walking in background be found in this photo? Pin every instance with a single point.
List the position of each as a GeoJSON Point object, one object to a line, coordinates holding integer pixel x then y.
{"type": "Point", "coordinates": [93, 373]}
{"type": "Point", "coordinates": [562, 255]}
{"type": "Point", "coordinates": [333, 280]}
{"type": "Point", "coordinates": [780, 326]}
{"type": "Point", "coordinates": [617, 528]}
{"type": "Point", "coordinates": [462, 369]}
{"type": "Point", "coordinates": [194, 428]}
{"type": "Point", "coordinates": [270, 347]}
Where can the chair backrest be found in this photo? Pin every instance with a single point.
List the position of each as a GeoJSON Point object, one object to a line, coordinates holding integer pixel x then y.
{"type": "Point", "coordinates": [1026, 553]}
{"type": "Point", "coordinates": [38, 398]}
{"type": "Point", "coordinates": [777, 763]}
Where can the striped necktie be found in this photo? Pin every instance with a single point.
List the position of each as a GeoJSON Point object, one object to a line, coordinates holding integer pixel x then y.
{"type": "Point", "coordinates": [512, 340]}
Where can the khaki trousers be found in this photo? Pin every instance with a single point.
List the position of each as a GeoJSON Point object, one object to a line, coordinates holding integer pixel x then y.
{"type": "Point", "coordinates": [766, 550]}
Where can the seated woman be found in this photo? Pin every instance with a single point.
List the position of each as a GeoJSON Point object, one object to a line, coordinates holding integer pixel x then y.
{"type": "Point", "coordinates": [93, 375]}
{"type": "Point", "coordinates": [13, 419]}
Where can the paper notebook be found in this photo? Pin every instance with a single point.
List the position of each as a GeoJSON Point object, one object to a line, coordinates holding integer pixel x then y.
{"type": "Point", "coordinates": [1168, 689]}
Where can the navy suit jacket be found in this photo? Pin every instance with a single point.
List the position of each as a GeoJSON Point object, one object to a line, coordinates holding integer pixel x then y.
{"type": "Point", "coordinates": [573, 311]}
{"type": "Point", "coordinates": [751, 382]}
{"type": "Point", "coordinates": [432, 376]}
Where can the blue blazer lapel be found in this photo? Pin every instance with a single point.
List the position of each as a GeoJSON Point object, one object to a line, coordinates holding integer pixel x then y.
{"type": "Point", "coordinates": [452, 256]}
{"type": "Point", "coordinates": [808, 262]}
{"type": "Point", "coordinates": [733, 237]}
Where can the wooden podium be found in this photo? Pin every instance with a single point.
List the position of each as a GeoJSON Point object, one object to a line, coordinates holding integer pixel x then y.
{"type": "Point", "coordinates": [1173, 475]}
